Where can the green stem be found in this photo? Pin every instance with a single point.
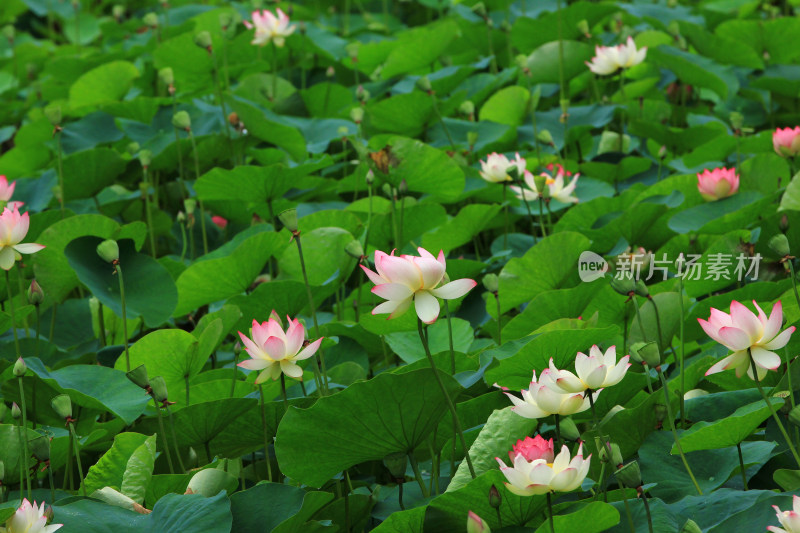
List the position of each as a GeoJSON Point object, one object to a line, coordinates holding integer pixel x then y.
{"type": "Point", "coordinates": [505, 214]}
{"type": "Point", "coordinates": [683, 356]}
{"type": "Point", "coordinates": [52, 483]}
{"type": "Point", "coordinates": [235, 374]}
{"type": "Point", "coordinates": [60, 169]}
{"type": "Point", "coordinates": [627, 507]}
{"type": "Point", "coordinates": [38, 324]}
{"type": "Point", "coordinates": [741, 464]}
{"type": "Point", "coordinates": [274, 73]}
{"type": "Point", "coordinates": [417, 474]}
{"type": "Point", "coordinates": [499, 323]}
{"type": "Point", "coordinates": [283, 391]}
{"type": "Point", "coordinates": [24, 434]}
{"type": "Point", "coordinates": [101, 323]}
{"type": "Point", "coordinates": [164, 436]}
{"type": "Point", "coordinates": [550, 512]}
{"type": "Point", "coordinates": [647, 512]}
{"type": "Point", "coordinates": [319, 360]}
{"type": "Point", "coordinates": [148, 212]}
{"type": "Point", "coordinates": [266, 436]}
{"type": "Point", "coordinates": [772, 410]}
{"type": "Point", "coordinates": [541, 217]}
{"type": "Point", "coordinates": [450, 339]}
{"type": "Point", "coordinates": [124, 317]}
{"type": "Point", "coordinates": [13, 314]}
{"type": "Point", "coordinates": [175, 439]}
{"type": "Point", "coordinates": [199, 200]}
{"type": "Point", "coordinates": [77, 456]}
{"type": "Point", "coordinates": [183, 240]}
{"type": "Point", "coordinates": [22, 291]}
{"type": "Point", "coordinates": [658, 325]}
{"type": "Point", "coordinates": [671, 420]}
{"type": "Point", "coordinates": [559, 440]}
{"type": "Point", "coordinates": [441, 120]}
{"type": "Point", "coordinates": [450, 405]}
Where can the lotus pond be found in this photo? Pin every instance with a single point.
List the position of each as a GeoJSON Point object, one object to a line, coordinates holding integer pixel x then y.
{"type": "Point", "coordinates": [399, 266]}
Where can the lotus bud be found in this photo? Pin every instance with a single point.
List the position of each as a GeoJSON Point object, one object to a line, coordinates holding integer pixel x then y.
{"type": "Point", "coordinates": [139, 376]}
{"type": "Point", "coordinates": [330, 72]}
{"type": "Point", "coordinates": [357, 114]}
{"type": "Point", "coordinates": [424, 84]}
{"type": "Point", "coordinates": [9, 32]}
{"type": "Point", "coordinates": [780, 245]}
{"type": "Point", "coordinates": [189, 205]}
{"type": "Point", "coordinates": [495, 499]}
{"type": "Point", "coordinates": [53, 114]}
{"type": "Point", "coordinates": [182, 120]}
{"type": "Point", "coordinates": [387, 190]}
{"type": "Point", "coordinates": [784, 223]}
{"type": "Point", "coordinates": [118, 11]}
{"type": "Point", "coordinates": [616, 454]}
{"type": "Point", "coordinates": [354, 249]}
{"type": "Point", "coordinates": [225, 20]}
{"type": "Point", "coordinates": [203, 40]}
{"type": "Point", "coordinates": [35, 293]}
{"type": "Point", "coordinates": [794, 416]}
{"type": "Point", "coordinates": [108, 250]}
{"type": "Point", "coordinates": [623, 284]}
{"type": "Point", "coordinates": [145, 158]}
{"type": "Point", "coordinates": [62, 405]}
{"type": "Point", "coordinates": [166, 76]}
{"type": "Point", "coordinates": [289, 219]}
{"type": "Point", "coordinates": [662, 152]}
{"type": "Point", "coordinates": [20, 367]}
{"type": "Point", "coordinates": [569, 430]}
{"type": "Point", "coordinates": [467, 108]}
{"type": "Point", "coordinates": [159, 387]}
{"type": "Point", "coordinates": [583, 27]}
{"type": "Point", "coordinates": [396, 464]}
{"type": "Point", "coordinates": [476, 524]}
{"type": "Point", "coordinates": [472, 138]}
{"type": "Point", "coordinates": [342, 131]}
{"type": "Point", "coordinates": [403, 187]}
{"type": "Point", "coordinates": [737, 120]}
{"type": "Point", "coordinates": [602, 450]}
{"type": "Point", "coordinates": [40, 447]}
{"type": "Point", "coordinates": [629, 475]}
{"type": "Point", "coordinates": [362, 95]}
{"type": "Point", "coordinates": [491, 283]}
{"type": "Point", "coordinates": [16, 412]}
{"type": "Point", "coordinates": [150, 20]}
{"type": "Point", "coordinates": [690, 527]}
{"type": "Point", "coordinates": [132, 147]}
{"type": "Point", "coordinates": [544, 136]}
{"type": "Point", "coordinates": [370, 177]}
{"type": "Point", "coordinates": [352, 50]}
{"type": "Point", "coordinates": [180, 217]}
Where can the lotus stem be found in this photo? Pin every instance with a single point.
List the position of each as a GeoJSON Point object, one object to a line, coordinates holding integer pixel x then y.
{"type": "Point", "coordinates": [647, 512]}
{"type": "Point", "coordinates": [163, 437]}
{"type": "Point", "coordinates": [683, 356]}
{"type": "Point", "coordinates": [266, 436]}
{"type": "Point", "coordinates": [417, 474]}
{"type": "Point", "coordinates": [13, 314]}
{"type": "Point", "coordinates": [199, 200]}
{"type": "Point", "coordinates": [741, 464]}
{"type": "Point", "coordinates": [550, 512]}
{"type": "Point", "coordinates": [24, 435]}
{"type": "Point", "coordinates": [505, 214]}
{"type": "Point", "coordinates": [124, 316]}
{"type": "Point", "coordinates": [77, 455]}
{"type": "Point", "coordinates": [175, 439]}
{"type": "Point", "coordinates": [319, 360]}
{"type": "Point", "coordinates": [283, 391]}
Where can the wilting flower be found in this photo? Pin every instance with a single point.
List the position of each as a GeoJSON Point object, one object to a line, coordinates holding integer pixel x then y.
{"type": "Point", "coordinates": [540, 401]}
{"type": "Point", "coordinates": [270, 28]}
{"type": "Point", "coordinates": [275, 351]}
{"type": "Point", "coordinates": [13, 228]}
{"type": "Point", "coordinates": [609, 59]}
{"type": "Point", "coordinates": [533, 448]}
{"type": "Point", "coordinates": [555, 186]}
{"type": "Point", "coordinates": [719, 183]}
{"type": "Point", "coordinates": [790, 520]}
{"type": "Point", "coordinates": [742, 332]}
{"type": "Point", "coordinates": [407, 278]}
{"type": "Point", "coordinates": [595, 371]}
{"type": "Point", "coordinates": [529, 478]}
{"type": "Point", "coordinates": [476, 524]}
{"type": "Point", "coordinates": [29, 518]}
{"type": "Point", "coordinates": [495, 168]}
{"type": "Point", "coordinates": [786, 141]}
{"type": "Point", "coordinates": [6, 189]}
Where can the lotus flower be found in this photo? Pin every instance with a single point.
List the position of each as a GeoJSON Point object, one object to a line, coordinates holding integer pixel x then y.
{"type": "Point", "coordinates": [719, 183]}
{"type": "Point", "coordinates": [220, 222]}
{"type": "Point", "coordinates": [533, 448]}
{"type": "Point", "coordinates": [29, 518]}
{"type": "Point", "coordinates": [476, 524]}
{"type": "Point", "coordinates": [404, 279]}
{"type": "Point", "coordinates": [275, 351]}
{"type": "Point", "coordinates": [6, 189]}
{"type": "Point", "coordinates": [595, 371]}
{"type": "Point", "coordinates": [790, 520]}
{"type": "Point", "coordinates": [609, 59]}
{"type": "Point", "coordinates": [555, 186]}
{"type": "Point", "coordinates": [786, 141]}
{"type": "Point", "coordinates": [13, 228]}
{"type": "Point", "coordinates": [270, 28]}
{"type": "Point", "coordinates": [540, 401]}
{"type": "Point", "coordinates": [529, 478]}
{"type": "Point", "coordinates": [742, 332]}
{"type": "Point", "coordinates": [495, 168]}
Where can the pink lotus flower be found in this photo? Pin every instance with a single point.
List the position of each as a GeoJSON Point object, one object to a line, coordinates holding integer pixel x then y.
{"type": "Point", "coordinates": [219, 221]}
{"type": "Point", "coordinates": [29, 518]}
{"type": "Point", "coordinates": [719, 183]}
{"type": "Point", "coordinates": [533, 448]}
{"type": "Point", "coordinates": [540, 401]}
{"type": "Point", "coordinates": [275, 351]}
{"type": "Point", "coordinates": [786, 141]}
{"type": "Point", "coordinates": [495, 168]}
{"type": "Point", "coordinates": [743, 332]}
{"type": "Point", "coordinates": [595, 371]}
{"type": "Point", "coordinates": [790, 520]}
{"type": "Point", "coordinates": [270, 28]}
{"type": "Point", "coordinates": [609, 59]}
{"type": "Point", "coordinates": [6, 189]}
{"type": "Point", "coordinates": [13, 228]}
{"type": "Point", "coordinates": [529, 478]}
{"type": "Point", "coordinates": [408, 278]}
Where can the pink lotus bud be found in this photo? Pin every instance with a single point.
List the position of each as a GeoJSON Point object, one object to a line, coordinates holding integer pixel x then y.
{"type": "Point", "coordinates": [476, 524]}
{"type": "Point", "coordinates": [219, 221]}
{"type": "Point", "coordinates": [718, 183]}
{"type": "Point", "coordinates": [786, 141]}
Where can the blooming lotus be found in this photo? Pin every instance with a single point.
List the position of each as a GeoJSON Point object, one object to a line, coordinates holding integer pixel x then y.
{"type": "Point", "coordinates": [495, 168]}
{"type": "Point", "coordinates": [719, 183]}
{"type": "Point", "coordinates": [786, 141]}
{"type": "Point", "coordinates": [6, 189]}
{"type": "Point", "coordinates": [595, 371]}
{"type": "Point", "coordinates": [270, 28]}
{"type": "Point", "coordinates": [790, 520]}
{"type": "Point", "coordinates": [743, 332]}
{"type": "Point", "coordinates": [540, 401]}
{"type": "Point", "coordinates": [29, 518]}
{"type": "Point", "coordinates": [274, 351]}
{"type": "Point", "coordinates": [529, 478]}
{"type": "Point", "coordinates": [555, 186]}
{"type": "Point", "coordinates": [533, 448]}
{"type": "Point", "coordinates": [404, 279]}
{"type": "Point", "coordinates": [13, 228]}
{"type": "Point", "coordinates": [609, 59]}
